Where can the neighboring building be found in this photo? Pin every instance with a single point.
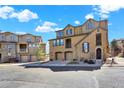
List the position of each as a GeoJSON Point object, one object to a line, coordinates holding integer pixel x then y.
{"type": "Point", "coordinates": [21, 47]}
{"type": "Point", "coordinates": [87, 41]}
{"type": "Point", "coordinates": [119, 49]}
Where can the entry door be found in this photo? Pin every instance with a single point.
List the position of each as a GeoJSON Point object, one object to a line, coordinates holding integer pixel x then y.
{"type": "Point", "coordinates": [98, 53]}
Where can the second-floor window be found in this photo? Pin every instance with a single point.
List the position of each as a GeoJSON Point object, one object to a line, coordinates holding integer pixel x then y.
{"type": "Point", "coordinates": [60, 34]}
{"type": "Point", "coordinates": [61, 42]}
{"type": "Point", "coordinates": [98, 39]}
{"type": "Point", "coordinates": [68, 43]}
{"type": "Point", "coordinates": [69, 32]}
{"type": "Point", "coordinates": [54, 43]}
{"type": "Point", "coordinates": [13, 37]}
{"type": "Point", "coordinates": [2, 37]}
{"type": "Point", "coordinates": [29, 40]}
{"type": "Point", "coordinates": [58, 42]}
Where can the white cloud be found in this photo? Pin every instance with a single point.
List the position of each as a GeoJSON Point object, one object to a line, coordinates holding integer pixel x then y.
{"type": "Point", "coordinates": [103, 11]}
{"type": "Point", "coordinates": [77, 22]}
{"type": "Point", "coordinates": [89, 16]}
{"type": "Point", "coordinates": [47, 27]}
{"type": "Point", "coordinates": [5, 12]}
{"type": "Point", "coordinates": [23, 16]}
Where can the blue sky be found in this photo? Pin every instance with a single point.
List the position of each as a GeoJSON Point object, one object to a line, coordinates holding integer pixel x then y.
{"type": "Point", "coordinates": [44, 20]}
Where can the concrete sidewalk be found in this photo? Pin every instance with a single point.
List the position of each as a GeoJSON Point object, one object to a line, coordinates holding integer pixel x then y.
{"type": "Point", "coordinates": [21, 63]}
{"type": "Point", "coordinates": [119, 63]}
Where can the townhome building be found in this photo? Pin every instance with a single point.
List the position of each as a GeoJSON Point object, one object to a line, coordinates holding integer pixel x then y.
{"type": "Point", "coordinates": [22, 47]}
{"type": "Point", "coordinates": [86, 41]}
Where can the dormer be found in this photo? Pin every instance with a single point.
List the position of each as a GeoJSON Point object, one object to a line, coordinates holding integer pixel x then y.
{"type": "Point", "coordinates": [89, 25]}
{"type": "Point", "coordinates": [69, 30]}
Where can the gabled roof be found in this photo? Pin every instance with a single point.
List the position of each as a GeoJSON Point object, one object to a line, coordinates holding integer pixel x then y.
{"type": "Point", "coordinates": [82, 24]}
{"type": "Point", "coordinates": [66, 27]}
{"type": "Point", "coordinates": [7, 33]}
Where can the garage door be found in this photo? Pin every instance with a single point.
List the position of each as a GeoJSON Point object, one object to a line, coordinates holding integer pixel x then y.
{"type": "Point", "coordinates": [33, 58]}
{"type": "Point", "coordinates": [59, 56]}
{"type": "Point", "coordinates": [69, 56]}
{"type": "Point", "coordinates": [24, 58]}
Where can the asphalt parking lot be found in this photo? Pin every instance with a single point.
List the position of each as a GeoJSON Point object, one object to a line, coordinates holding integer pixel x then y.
{"type": "Point", "coordinates": [15, 76]}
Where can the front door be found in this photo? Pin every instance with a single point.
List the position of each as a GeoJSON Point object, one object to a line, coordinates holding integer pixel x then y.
{"type": "Point", "coordinates": [98, 53]}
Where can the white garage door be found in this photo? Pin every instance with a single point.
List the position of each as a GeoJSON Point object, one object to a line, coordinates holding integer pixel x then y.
{"type": "Point", "coordinates": [58, 56]}
{"type": "Point", "coordinates": [69, 56]}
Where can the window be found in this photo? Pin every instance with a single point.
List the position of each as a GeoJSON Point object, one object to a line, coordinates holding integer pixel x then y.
{"type": "Point", "coordinates": [13, 37]}
{"type": "Point", "coordinates": [29, 38]}
{"type": "Point", "coordinates": [9, 48]}
{"type": "Point", "coordinates": [69, 32]}
{"type": "Point", "coordinates": [85, 47]}
{"type": "Point", "coordinates": [38, 39]}
{"type": "Point", "coordinates": [3, 37]}
{"type": "Point", "coordinates": [54, 43]}
{"type": "Point", "coordinates": [68, 43]}
{"type": "Point", "coordinates": [59, 42]}
{"type": "Point", "coordinates": [60, 34]}
{"type": "Point", "coordinates": [90, 25]}
{"type": "Point", "coordinates": [98, 39]}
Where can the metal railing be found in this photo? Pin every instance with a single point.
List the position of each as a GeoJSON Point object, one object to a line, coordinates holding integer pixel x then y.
{"type": "Point", "coordinates": [23, 50]}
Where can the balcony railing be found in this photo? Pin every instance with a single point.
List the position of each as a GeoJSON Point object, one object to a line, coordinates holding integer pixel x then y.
{"type": "Point", "coordinates": [23, 50]}
{"type": "Point", "coordinates": [8, 40]}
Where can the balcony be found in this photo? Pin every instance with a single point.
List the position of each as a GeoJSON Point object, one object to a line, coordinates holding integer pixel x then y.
{"type": "Point", "coordinates": [23, 48]}
{"type": "Point", "coordinates": [8, 40]}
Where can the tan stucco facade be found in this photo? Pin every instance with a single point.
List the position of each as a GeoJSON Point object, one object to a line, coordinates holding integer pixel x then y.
{"type": "Point", "coordinates": [23, 47]}
{"type": "Point", "coordinates": [79, 36]}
